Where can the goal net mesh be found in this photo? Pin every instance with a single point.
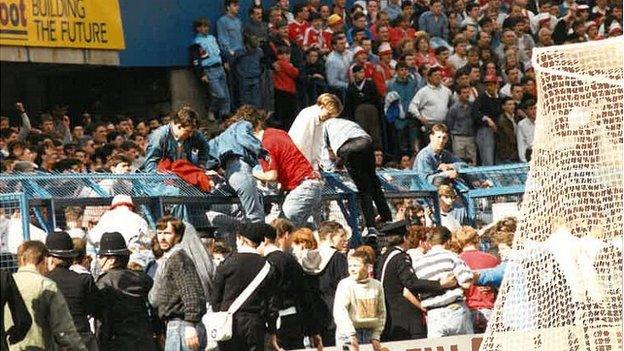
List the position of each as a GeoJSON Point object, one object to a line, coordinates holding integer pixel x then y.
{"type": "Point", "coordinates": [563, 281]}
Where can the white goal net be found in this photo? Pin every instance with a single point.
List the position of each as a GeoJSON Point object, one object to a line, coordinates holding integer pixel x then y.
{"type": "Point", "coordinates": [563, 282]}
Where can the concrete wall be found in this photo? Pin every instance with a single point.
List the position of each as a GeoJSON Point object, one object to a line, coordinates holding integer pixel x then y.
{"type": "Point", "coordinates": [59, 55]}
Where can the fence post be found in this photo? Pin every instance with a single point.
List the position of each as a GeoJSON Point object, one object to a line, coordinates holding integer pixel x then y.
{"type": "Point", "coordinates": [25, 216]}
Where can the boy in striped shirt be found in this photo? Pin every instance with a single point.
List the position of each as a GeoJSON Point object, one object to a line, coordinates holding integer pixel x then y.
{"type": "Point", "coordinates": [447, 314]}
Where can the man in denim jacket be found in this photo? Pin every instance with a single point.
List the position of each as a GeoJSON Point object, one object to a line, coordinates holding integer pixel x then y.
{"type": "Point", "coordinates": [177, 140]}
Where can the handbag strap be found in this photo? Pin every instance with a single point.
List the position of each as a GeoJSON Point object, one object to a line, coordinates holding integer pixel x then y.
{"type": "Point", "coordinates": [383, 270]}
{"type": "Point", "coordinates": [238, 302]}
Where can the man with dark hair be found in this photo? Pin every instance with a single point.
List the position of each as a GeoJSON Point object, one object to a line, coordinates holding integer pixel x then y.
{"type": "Point", "coordinates": [293, 300]}
{"type": "Point", "coordinates": [447, 314]}
{"type": "Point", "coordinates": [177, 140]}
{"type": "Point", "coordinates": [125, 320]}
{"type": "Point", "coordinates": [431, 103]}
{"type": "Point", "coordinates": [525, 131]}
{"type": "Point", "coordinates": [258, 311]}
{"type": "Point", "coordinates": [434, 21]}
{"type": "Point", "coordinates": [486, 110]}
{"type": "Point", "coordinates": [297, 28]}
{"type": "Point", "coordinates": [395, 272]}
{"type": "Point", "coordinates": [337, 64]}
{"type": "Point", "coordinates": [178, 292]}
{"type": "Point", "coordinates": [212, 71]}
{"type": "Point", "coordinates": [79, 290]}
{"type": "Point", "coordinates": [434, 163]}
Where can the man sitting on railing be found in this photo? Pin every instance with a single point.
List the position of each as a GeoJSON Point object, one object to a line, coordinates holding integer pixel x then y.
{"type": "Point", "coordinates": [177, 140]}
{"type": "Point", "coordinates": [436, 164]}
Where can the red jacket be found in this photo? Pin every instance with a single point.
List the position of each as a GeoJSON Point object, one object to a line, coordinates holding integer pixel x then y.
{"type": "Point", "coordinates": [187, 171]}
{"type": "Point", "coordinates": [284, 78]}
{"type": "Point", "coordinates": [296, 31]}
{"type": "Point", "coordinates": [397, 34]}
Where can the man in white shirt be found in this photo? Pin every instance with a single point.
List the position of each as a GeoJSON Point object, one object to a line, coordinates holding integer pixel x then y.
{"type": "Point", "coordinates": [431, 103]}
{"type": "Point", "coordinates": [525, 130]}
{"type": "Point", "coordinates": [307, 129]}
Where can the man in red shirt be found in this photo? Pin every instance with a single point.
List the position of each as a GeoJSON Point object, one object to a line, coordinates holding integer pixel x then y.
{"type": "Point", "coordinates": [297, 28]}
{"type": "Point", "coordinates": [480, 299]}
{"type": "Point", "coordinates": [289, 167]}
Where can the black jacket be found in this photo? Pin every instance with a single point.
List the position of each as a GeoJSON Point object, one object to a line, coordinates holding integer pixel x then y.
{"type": "Point", "coordinates": [404, 320]}
{"type": "Point", "coordinates": [357, 97]}
{"type": "Point", "coordinates": [9, 294]}
{"type": "Point", "coordinates": [292, 289]}
{"type": "Point", "coordinates": [80, 293]}
{"type": "Point", "coordinates": [125, 322]}
{"type": "Point", "coordinates": [485, 105]}
{"type": "Point", "coordinates": [234, 275]}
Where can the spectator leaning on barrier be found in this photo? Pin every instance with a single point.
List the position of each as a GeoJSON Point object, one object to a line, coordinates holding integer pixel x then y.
{"type": "Point", "coordinates": [434, 163]}
{"type": "Point", "coordinates": [177, 140]}
{"type": "Point", "coordinates": [287, 165]}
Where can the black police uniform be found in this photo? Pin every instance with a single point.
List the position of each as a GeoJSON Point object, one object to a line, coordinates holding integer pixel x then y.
{"type": "Point", "coordinates": [404, 320]}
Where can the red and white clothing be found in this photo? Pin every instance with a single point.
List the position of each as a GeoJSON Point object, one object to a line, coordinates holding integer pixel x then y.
{"type": "Point", "coordinates": [397, 34]}
{"type": "Point", "coordinates": [315, 38]}
{"type": "Point", "coordinates": [296, 30]}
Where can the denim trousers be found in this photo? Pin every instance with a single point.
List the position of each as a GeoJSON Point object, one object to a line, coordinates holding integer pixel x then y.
{"type": "Point", "coordinates": [175, 340]}
{"type": "Point", "coordinates": [219, 93]}
{"type": "Point", "coordinates": [454, 319]}
{"type": "Point", "coordinates": [239, 177]}
{"type": "Point", "coordinates": [364, 336]}
{"type": "Point", "coordinates": [304, 201]}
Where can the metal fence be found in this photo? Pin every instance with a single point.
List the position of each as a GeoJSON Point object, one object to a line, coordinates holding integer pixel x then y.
{"type": "Point", "coordinates": [14, 220]}
{"type": "Point", "coordinates": [485, 186]}
{"type": "Point", "coordinates": [76, 201]}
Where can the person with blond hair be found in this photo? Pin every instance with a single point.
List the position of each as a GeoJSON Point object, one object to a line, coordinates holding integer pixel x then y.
{"type": "Point", "coordinates": [307, 129]}
{"type": "Point", "coordinates": [480, 299]}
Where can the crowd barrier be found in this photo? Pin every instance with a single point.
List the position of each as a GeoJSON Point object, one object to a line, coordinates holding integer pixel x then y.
{"type": "Point", "coordinates": [48, 198]}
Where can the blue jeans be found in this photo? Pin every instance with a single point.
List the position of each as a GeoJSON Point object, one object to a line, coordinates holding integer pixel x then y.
{"type": "Point", "coordinates": [454, 319]}
{"type": "Point", "coordinates": [364, 336]}
{"type": "Point", "coordinates": [486, 143]}
{"type": "Point", "coordinates": [304, 201]}
{"type": "Point", "coordinates": [239, 177]}
{"type": "Point", "coordinates": [250, 92]}
{"type": "Point", "coordinates": [219, 93]}
{"type": "Point", "coordinates": [175, 336]}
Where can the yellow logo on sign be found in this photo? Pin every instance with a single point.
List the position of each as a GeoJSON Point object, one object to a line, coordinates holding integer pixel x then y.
{"type": "Point", "coordinates": [91, 24]}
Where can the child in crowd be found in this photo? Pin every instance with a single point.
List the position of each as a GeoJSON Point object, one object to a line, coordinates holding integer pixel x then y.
{"type": "Point", "coordinates": [359, 307]}
{"type": "Point", "coordinates": [284, 77]}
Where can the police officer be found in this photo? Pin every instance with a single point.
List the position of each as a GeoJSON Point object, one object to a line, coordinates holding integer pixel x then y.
{"type": "Point", "coordinates": [79, 290]}
{"type": "Point", "coordinates": [125, 321]}
{"type": "Point", "coordinates": [395, 271]}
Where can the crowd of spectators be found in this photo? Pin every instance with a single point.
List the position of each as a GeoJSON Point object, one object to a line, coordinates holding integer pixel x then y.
{"type": "Point", "coordinates": [399, 68]}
